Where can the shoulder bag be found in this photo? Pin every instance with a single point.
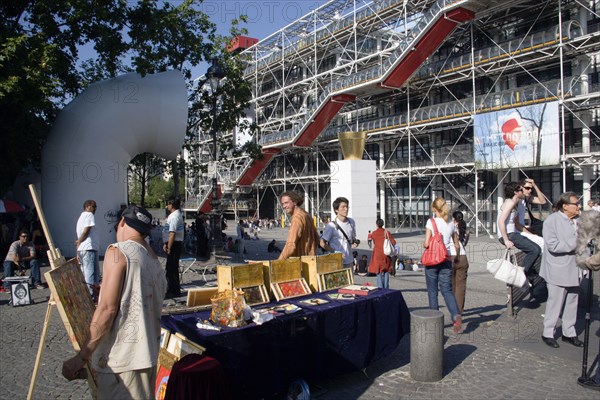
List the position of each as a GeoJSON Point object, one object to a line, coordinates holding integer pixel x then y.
{"type": "Point", "coordinates": [506, 271]}
{"type": "Point", "coordinates": [388, 249]}
{"type": "Point", "coordinates": [436, 253]}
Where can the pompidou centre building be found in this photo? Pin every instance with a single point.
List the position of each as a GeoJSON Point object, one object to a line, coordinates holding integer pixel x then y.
{"type": "Point", "coordinates": [457, 98]}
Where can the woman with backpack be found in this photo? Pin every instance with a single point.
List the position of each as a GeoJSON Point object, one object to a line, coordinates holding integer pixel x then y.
{"type": "Point", "coordinates": [460, 268]}
{"type": "Point", "coordinates": [440, 275]}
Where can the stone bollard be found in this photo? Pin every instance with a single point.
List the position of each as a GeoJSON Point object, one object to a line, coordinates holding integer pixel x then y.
{"type": "Point", "coordinates": [427, 345]}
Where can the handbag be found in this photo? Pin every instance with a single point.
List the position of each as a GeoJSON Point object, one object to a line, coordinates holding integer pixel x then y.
{"type": "Point", "coordinates": [388, 249]}
{"type": "Point", "coordinates": [436, 253]}
{"type": "Point", "coordinates": [506, 271]}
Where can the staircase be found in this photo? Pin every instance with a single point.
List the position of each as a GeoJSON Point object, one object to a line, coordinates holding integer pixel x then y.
{"type": "Point", "coordinates": [420, 42]}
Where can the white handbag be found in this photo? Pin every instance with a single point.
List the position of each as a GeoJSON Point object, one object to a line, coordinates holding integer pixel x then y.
{"type": "Point", "coordinates": [388, 249]}
{"type": "Point", "coordinates": [506, 271]}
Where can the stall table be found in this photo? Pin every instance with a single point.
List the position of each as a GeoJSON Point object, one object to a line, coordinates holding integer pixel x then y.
{"type": "Point", "coordinates": [319, 341]}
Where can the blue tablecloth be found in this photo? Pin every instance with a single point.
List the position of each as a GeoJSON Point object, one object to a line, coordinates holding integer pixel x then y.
{"type": "Point", "coordinates": [316, 342]}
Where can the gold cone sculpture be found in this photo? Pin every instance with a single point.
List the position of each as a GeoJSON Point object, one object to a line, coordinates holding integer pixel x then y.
{"type": "Point", "coordinates": [353, 144]}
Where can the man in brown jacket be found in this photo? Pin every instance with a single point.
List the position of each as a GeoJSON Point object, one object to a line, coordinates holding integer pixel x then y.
{"type": "Point", "coordinates": [303, 238]}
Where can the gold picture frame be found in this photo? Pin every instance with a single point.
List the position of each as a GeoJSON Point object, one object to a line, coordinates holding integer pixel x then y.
{"type": "Point", "coordinates": [335, 279]}
{"type": "Point", "coordinates": [255, 295]}
{"type": "Point", "coordinates": [290, 289]}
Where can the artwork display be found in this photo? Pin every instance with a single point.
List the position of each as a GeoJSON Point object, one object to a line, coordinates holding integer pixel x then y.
{"type": "Point", "coordinates": [19, 289]}
{"type": "Point", "coordinates": [335, 279]}
{"type": "Point", "coordinates": [255, 295]}
{"type": "Point", "coordinates": [519, 137]}
{"type": "Point", "coordinates": [289, 289]}
{"type": "Point", "coordinates": [74, 301]}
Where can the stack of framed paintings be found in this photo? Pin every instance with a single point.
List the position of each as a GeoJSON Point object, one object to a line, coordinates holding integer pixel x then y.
{"type": "Point", "coordinates": [173, 347]}
{"type": "Point", "coordinates": [248, 278]}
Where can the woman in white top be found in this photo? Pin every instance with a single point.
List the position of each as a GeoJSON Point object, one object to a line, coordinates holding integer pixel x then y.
{"type": "Point", "coordinates": [441, 274]}
{"type": "Point", "coordinates": [509, 236]}
{"type": "Point", "coordinates": [460, 268]}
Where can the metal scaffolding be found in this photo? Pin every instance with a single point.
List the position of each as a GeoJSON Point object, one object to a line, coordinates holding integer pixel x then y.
{"type": "Point", "coordinates": [413, 75]}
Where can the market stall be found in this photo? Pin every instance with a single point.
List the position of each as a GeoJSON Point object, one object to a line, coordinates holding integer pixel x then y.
{"type": "Point", "coordinates": [311, 337]}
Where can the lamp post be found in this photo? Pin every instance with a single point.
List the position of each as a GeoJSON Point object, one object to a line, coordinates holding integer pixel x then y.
{"type": "Point", "coordinates": [214, 74]}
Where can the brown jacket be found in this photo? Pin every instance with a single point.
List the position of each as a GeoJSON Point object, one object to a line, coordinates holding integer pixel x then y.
{"type": "Point", "coordinates": [303, 238]}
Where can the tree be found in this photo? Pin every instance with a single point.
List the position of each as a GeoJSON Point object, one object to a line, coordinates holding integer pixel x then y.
{"type": "Point", "coordinates": [39, 52]}
{"type": "Point", "coordinates": [39, 45]}
{"type": "Point", "coordinates": [143, 168]}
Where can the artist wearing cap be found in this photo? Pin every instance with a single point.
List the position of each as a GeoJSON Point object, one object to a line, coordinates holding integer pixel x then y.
{"type": "Point", "coordinates": [125, 329]}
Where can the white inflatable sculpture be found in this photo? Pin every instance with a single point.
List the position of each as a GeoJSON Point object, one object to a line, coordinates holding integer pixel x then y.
{"type": "Point", "coordinates": [94, 139]}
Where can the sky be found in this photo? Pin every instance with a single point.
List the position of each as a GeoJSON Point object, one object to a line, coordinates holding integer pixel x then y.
{"type": "Point", "coordinates": [264, 17]}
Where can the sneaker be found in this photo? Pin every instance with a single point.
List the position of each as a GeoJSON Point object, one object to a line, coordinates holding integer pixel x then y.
{"type": "Point", "coordinates": [39, 286]}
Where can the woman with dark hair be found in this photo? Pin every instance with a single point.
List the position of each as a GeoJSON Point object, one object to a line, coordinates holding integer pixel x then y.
{"type": "Point", "coordinates": [508, 234]}
{"type": "Point", "coordinates": [441, 275]}
{"type": "Point", "coordinates": [460, 267]}
{"type": "Point", "coordinates": [381, 264]}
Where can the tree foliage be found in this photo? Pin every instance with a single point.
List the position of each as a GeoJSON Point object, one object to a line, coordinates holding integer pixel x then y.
{"type": "Point", "coordinates": [41, 70]}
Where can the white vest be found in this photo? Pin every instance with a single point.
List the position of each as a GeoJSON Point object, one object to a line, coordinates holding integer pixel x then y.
{"type": "Point", "coordinates": [134, 339]}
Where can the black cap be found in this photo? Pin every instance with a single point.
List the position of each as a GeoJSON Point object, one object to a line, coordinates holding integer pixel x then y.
{"type": "Point", "coordinates": [138, 218]}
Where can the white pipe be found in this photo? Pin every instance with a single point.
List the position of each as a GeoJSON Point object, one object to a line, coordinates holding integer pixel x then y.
{"type": "Point", "coordinates": [94, 139]}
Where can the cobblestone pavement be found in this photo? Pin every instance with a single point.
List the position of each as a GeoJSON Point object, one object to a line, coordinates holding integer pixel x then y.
{"type": "Point", "coordinates": [496, 355]}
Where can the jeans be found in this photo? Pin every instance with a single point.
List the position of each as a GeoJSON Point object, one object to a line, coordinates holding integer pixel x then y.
{"type": "Point", "coordinates": [90, 266]}
{"type": "Point", "coordinates": [383, 280]}
{"type": "Point", "coordinates": [441, 275]}
{"type": "Point", "coordinates": [532, 251]}
{"type": "Point", "coordinates": [33, 265]}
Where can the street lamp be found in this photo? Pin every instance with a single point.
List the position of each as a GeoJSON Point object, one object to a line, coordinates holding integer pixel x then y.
{"type": "Point", "coordinates": [214, 74]}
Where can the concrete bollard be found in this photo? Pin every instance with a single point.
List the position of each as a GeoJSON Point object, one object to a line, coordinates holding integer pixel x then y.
{"type": "Point", "coordinates": [427, 345]}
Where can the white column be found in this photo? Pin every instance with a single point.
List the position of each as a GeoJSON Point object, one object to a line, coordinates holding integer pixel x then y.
{"type": "Point", "coordinates": [381, 184]}
{"type": "Point", "coordinates": [355, 180]}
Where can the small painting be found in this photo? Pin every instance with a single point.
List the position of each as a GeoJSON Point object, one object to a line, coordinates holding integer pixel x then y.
{"type": "Point", "coordinates": [255, 295]}
{"type": "Point", "coordinates": [20, 294]}
{"type": "Point", "coordinates": [335, 279]}
{"type": "Point", "coordinates": [288, 289]}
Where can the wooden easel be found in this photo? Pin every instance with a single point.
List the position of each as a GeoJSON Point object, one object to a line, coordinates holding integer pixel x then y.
{"type": "Point", "coordinates": [56, 260]}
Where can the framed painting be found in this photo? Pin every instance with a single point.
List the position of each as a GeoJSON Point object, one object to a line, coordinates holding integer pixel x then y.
{"type": "Point", "coordinates": [335, 279]}
{"type": "Point", "coordinates": [180, 346]}
{"type": "Point", "coordinates": [289, 289]}
{"type": "Point", "coordinates": [20, 294]}
{"type": "Point", "coordinates": [255, 295]}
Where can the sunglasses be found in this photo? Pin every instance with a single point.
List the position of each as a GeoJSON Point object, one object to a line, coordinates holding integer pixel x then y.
{"type": "Point", "coordinates": [527, 187]}
{"type": "Point", "coordinates": [25, 236]}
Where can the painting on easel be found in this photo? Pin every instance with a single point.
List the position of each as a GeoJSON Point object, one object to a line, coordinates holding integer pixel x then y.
{"type": "Point", "coordinates": [73, 301]}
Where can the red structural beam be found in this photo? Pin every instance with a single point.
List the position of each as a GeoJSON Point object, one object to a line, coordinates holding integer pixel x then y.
{"type": "Point", "coordinates": [257, 167]}
{"type": "Point", "coordinates": [322, 119]}
{"type": "Point", "coordinates": [206, 205]}
{"type": "Point", "coordinates": [426, 46]}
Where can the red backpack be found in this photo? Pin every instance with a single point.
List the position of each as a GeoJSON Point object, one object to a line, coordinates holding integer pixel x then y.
{"type": "Point", "coordinates": [436, 253]}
